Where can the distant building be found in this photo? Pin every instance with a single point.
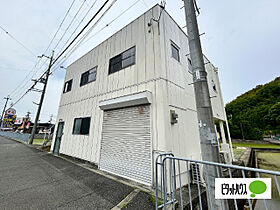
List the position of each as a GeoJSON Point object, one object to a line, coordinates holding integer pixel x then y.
{"type": "Point", "coordinates": [23, 125]}
{"type": "Point", "coordinates": [131, 98]}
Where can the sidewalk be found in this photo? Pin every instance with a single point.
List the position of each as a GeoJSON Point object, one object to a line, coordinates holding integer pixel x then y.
{"type": "Point", "coordinates": [34, 179]}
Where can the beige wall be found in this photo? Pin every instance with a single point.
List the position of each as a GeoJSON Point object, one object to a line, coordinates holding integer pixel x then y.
{"type": "Point", "coordinates": [155, 70]}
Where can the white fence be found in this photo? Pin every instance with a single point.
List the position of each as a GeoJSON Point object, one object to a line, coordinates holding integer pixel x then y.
{"type": "Point", "coordinates": [170, 183]}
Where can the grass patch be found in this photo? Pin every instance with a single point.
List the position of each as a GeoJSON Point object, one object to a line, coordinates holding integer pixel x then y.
{"type": "Point", "coordinates": [250, 145]}
{"type": "Point", "coordinates": [153, 199]}
{"type": "Point", "coordinates": [238, 152]}
{"type": "Point", "coordinates": [124, 205]}
{"type": "Point", "coordinates": [270, 161]}
{"type": "Point", "coordinates": [38, 141]}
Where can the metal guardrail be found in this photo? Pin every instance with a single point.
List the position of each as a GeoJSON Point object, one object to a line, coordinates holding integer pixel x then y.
{"type": "Point", "coordinates": [171, 180]}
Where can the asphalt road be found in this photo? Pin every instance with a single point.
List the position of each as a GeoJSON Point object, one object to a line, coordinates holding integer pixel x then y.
{"type": "Point", "coordinates": [32, 179]}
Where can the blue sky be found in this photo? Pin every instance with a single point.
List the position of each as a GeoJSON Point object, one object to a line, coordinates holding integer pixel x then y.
{"type": "Point", "coordinates": [241, 39]}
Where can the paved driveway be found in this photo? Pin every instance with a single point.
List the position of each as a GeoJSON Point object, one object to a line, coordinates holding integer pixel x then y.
{"type": "Point", "coordinates": [32, 179]}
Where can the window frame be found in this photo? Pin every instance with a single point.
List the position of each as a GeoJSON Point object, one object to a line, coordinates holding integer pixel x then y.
{"type": "Point", "coordinates": [175, 46]}
{"type": "Point", "coordinates": [86, 74]}
{"type": "Point", "coordinates": [67, 83]}
{"type": "Point", "coordinates": [118, 60]}
{"type": "Point", "coordinates": [80, 132]}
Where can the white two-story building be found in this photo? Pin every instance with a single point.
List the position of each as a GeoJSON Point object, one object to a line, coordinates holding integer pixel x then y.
{"type": "Point", "coordinates": [117, 102]}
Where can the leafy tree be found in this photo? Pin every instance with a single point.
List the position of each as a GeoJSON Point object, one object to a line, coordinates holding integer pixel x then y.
{"type": "Point", "coordinates": [256, 112]}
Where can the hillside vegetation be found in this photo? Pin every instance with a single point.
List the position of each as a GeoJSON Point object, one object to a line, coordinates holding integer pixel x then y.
{"type": "Point", "coordinates": [257, 112]}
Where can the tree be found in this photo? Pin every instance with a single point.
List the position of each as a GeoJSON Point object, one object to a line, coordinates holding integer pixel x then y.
{"type": "Point", "coordinates": [257, 111]}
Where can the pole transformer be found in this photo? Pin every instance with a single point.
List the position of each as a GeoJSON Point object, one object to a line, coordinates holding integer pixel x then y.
{"type": "Point", "coordinates": [208, 138]}
{"type": "Point", "coordinates": [4, 109]}
{"type": "Point", "coordinates": [45, 82]}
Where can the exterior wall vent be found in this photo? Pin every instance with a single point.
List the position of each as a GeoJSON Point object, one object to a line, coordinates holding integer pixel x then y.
{"type": "Point", "coordinates": [195, 173]}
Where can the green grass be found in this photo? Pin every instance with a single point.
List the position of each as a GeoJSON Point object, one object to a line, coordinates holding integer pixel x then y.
{"type": "Point", "coordinates": [124, 205]}
{"type": "Point", "coordinates": [238, 152]}
{"type": "Point", "coordinates": [250, 145]}
{"type": "Point", "coordinates": [270, 161]}
{"type": "Point", "coordinates": [38, 141]}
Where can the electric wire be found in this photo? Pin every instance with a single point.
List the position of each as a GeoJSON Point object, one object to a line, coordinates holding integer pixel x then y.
{"type": "Point", "coordinates": [69, 25]}
{"type": "Point", "coordinates": [80, 23]}
{"type": "Point", "coordinates": [20, 86]}
{"type": "Point", "coordinates": [94, 16]}
{"type": "Point", "coordinates": [100, 9]}
{"type": "Point", "coordinates": [81, 40]}
{"type": "Point", "coordinates": [111, 21]}
{"type": "Point", "coordinates": [60, 25]}
{"type": "Point", "coordinates": [81, 6]}
{"type": "Point", "coordinates": [77, 44]}
{"type": "Point", "coordinates": [44, 63]}
{"type": "Point", "coordinates": [26, 48]}
{"type": "Point", "coordinates": [67, 56]}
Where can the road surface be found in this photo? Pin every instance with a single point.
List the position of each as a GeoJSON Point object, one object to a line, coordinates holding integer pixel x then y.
{"type": "Point", "coordinates": [33, 179]}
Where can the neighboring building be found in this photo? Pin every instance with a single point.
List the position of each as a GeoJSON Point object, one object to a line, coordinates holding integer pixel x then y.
{"type": "Point", "coordinates": [27, 126]}
{"type": "Point", "coordinates": [118, 99]}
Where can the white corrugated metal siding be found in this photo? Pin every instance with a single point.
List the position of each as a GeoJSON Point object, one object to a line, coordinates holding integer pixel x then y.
{"type": "Point", "coordinates": [126, 143]}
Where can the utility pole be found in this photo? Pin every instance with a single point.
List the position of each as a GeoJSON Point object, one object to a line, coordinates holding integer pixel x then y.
{"type": "Point", "coordinates": [4, 109]}
{"type": "Point", "coordinates": [28, 115]}
{"type": "Point", "coordinates": [208, 137]}
{"type": "Point", "coordinates": [45, 82]}
{"type": "Point", "coordinates": [51, 117]}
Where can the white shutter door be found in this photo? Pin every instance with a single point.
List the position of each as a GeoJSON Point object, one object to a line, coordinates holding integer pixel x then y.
{"type": "Point", "coordinates": [126, 143]}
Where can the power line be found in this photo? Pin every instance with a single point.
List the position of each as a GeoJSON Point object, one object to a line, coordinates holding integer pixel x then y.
{"type": "Point", "coordinates": [44, 63]}
{"type": "Point", "coordinates": [10, 35]}
{"type": "Point", "coordinates": [112, 21]}
{"type": "Point", "coordinates": [20, 86]}
{"type": "Point", "coordinates": [104, 4]}
{"type": "Point", "coordinates": [79, 23]}
{"type": "Point", "coordinates": [60, 25]}
{"type": "Point", "coordinates": [100, 9]}
{"type": "Point", "coordinates": [29, 89]}
{"type": "Point", "coordinates": [70, 24]}
{"type": "Point", "coordinates": [67, 13]}
{"type": "Point", "coordinates": [144, 2]}
{"type": "Point", "coordinates": [67, 56]}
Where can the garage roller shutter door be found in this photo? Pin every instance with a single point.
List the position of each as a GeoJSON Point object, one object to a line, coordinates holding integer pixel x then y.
{"type": "Point", "coordinates": [126, 143]}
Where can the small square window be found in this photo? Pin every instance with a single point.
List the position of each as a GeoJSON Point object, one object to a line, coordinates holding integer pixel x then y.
{"type": "Point", "coordinates": [88, 76]}
{"type": "Point", "coordinates": [81, 126]}
{"type": "Point", "coordinates": [175, 52]}
{"type": "Point", "coordinates": [122, 60]}
{"type": "Point", "coordinates": [67, 86]}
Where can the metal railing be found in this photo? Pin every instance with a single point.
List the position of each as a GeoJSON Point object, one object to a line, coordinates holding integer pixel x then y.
{"type": "Point", "coordinates": [177, 187]}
